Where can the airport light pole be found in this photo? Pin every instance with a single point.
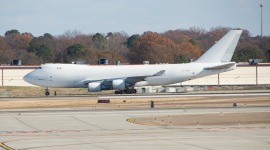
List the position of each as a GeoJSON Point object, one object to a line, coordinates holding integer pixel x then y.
{"type": "Point", "coordinates": [261, 5]}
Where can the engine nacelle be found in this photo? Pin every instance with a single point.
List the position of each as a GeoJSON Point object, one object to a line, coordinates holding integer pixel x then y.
{"type": "Point", "coordinates": [119, 84]}
{"type": "Point", "coordinates": [94, 87]}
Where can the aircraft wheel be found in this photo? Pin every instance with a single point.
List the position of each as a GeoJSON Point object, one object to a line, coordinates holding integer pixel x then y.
{"type": "Point", "coordinates": [122, 91]}
{"type": "Point", "coordinates": [47, 93]}
{"type": "Point", "coordinates": [127, 91]}
{"type": "Point", "coordinates": [130, 91]}
{"type": "Point", "coordinates": [134, 91]}
{"type": "Point", "coordinates": [119, 92]}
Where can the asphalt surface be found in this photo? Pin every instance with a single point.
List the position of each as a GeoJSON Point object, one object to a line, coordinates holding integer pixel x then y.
{"type": "Point", "coordinates": [107, 129]}
{"type": "Point", "coordinates": [111, 128]}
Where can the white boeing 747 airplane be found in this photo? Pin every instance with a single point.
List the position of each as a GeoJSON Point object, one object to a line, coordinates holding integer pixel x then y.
{"type": "Point", "coordinates": [123, 78]}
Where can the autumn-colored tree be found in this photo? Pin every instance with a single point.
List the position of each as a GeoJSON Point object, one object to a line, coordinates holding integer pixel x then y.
{"type": "Point", "coordinates": [11, 37]}
{"type": "Point", "coordinates": [215, 34]}
{"type": "Point", "coordinates": [17, 40]}
{"type": "Point", "coordinates": [6, 56]}
{"type": "Point", "coordinates": [24, 39]}
{"type": "Point", "coordinates": [111, 56]}
{"type": "Point", "coordinates": [189, 50]}
{"type": "Point", "coordinates": [188, 42]}
{"type": "Point", "coordinates": [194, 34]}
{"type": "Point", "coordinates": [154, 48]}
{"type": "Point", "coordinates": [245, 37]}
{"type": "Point", "coordinates": [3, 44]}
{"type": "Point", "coordinates": [173, 46]}
{"type": "Point", "coordinates": [26, 57]}
{"type": "Point", "coordinates": [14, 46]}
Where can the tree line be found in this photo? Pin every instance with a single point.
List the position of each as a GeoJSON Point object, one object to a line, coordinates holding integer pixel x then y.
{"type": "Point", "coordinates": [173, 46]}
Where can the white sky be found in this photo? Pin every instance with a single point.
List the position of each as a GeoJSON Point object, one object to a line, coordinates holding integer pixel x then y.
{"type": "Point", "coordinates": [131, 16]}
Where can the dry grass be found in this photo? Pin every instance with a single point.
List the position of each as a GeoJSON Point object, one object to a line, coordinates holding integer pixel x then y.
{"type": "Point", "coordinates": [16, 91]}
{"type": "Point", "coordinates": [205, 119]}
{"type": "Point", "coordinates": [91, 102]}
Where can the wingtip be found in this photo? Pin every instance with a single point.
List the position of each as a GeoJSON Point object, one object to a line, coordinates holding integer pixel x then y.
{"type": "Point", "coordinates": [160, 73]}
{"type": "Point", "coordinates": [237, 30]}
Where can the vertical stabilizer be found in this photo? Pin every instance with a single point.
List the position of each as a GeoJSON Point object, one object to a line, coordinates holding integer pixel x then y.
{"type": "Point", "coordinates": [223, 50]}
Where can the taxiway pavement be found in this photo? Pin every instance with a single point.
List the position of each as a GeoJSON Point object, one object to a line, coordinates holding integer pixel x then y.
{"type": "Point", "coordinates": [83, 128]}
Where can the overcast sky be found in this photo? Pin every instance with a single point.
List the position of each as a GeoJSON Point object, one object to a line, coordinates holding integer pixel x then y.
{"type": "Point", "coordinates": [131, 16]}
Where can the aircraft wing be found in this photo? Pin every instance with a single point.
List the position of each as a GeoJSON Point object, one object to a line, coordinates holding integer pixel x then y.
{"type": "Point", "coordinates": [223, 66]}
{"type": "Point", "coordinates": [142, 78]}
{"type": "Point", "coordinates": [132, 79]}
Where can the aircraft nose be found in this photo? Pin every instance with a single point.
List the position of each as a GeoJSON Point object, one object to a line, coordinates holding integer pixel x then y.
{"type": "Point", "coordinates": [33, 77]}
{"type": "Point", "coordinates": [27, 78]}
{"type": "Point", "coordinates": [30, 78]}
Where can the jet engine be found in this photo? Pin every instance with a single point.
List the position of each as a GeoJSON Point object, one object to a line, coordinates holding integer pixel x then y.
{"type": "Point", "coordinates": [94, 87]}
{"type": "Point", "coordinates": [119, 84]}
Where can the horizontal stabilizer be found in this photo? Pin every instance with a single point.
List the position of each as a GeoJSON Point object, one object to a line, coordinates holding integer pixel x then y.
{"type": "Point", "coordinates": [224, 66]}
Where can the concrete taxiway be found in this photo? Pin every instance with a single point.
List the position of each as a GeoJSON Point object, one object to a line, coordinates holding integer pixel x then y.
{"type": "Point", "coordinates": [83, 128]}
{"type": "Point", "coordinates": [128, 122]}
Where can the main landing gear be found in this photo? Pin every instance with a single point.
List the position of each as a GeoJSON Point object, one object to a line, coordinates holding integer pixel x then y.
{"type": "Point", "coordinates": [126, 91]}
{"type": "Point", "coordinates": [47, 93]}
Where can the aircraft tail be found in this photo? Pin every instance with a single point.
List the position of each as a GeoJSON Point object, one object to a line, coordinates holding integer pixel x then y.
{"type": "Point", "coordinates": [223, 50]}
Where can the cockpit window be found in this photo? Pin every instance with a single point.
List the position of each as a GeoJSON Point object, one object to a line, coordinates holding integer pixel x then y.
{"type": "Point", "coordinates": [39, 68]}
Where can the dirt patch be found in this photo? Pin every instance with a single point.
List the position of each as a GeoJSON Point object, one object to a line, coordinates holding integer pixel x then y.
{"type": "Point", "coordinates": [204, 119]}
{"type": "Point", "coordinates": [177, 102]}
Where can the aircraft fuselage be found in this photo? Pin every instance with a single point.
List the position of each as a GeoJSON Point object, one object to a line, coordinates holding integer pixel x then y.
{"type": "Point", "coordinates": [75, 76]}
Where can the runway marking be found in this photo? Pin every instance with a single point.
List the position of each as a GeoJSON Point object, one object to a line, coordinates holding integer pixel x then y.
{"type": "Point", "coordinates": [231, 128]}
{"type": "Point", "coordinates": [2, 144]}
{"type": "Point", "coordinates": [196, 146]}
{"type": "Point", "coordinates": [87, 123]}
{"type": "Point", "coordinates": [188, 95]}
{"type": "Point", "coordinates": [25, 123]}
{"type": "Point", "coordinates": [34, 132]}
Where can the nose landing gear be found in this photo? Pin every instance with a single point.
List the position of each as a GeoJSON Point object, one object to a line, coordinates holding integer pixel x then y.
{"type": "Point", "coordinates": [47, 93]}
